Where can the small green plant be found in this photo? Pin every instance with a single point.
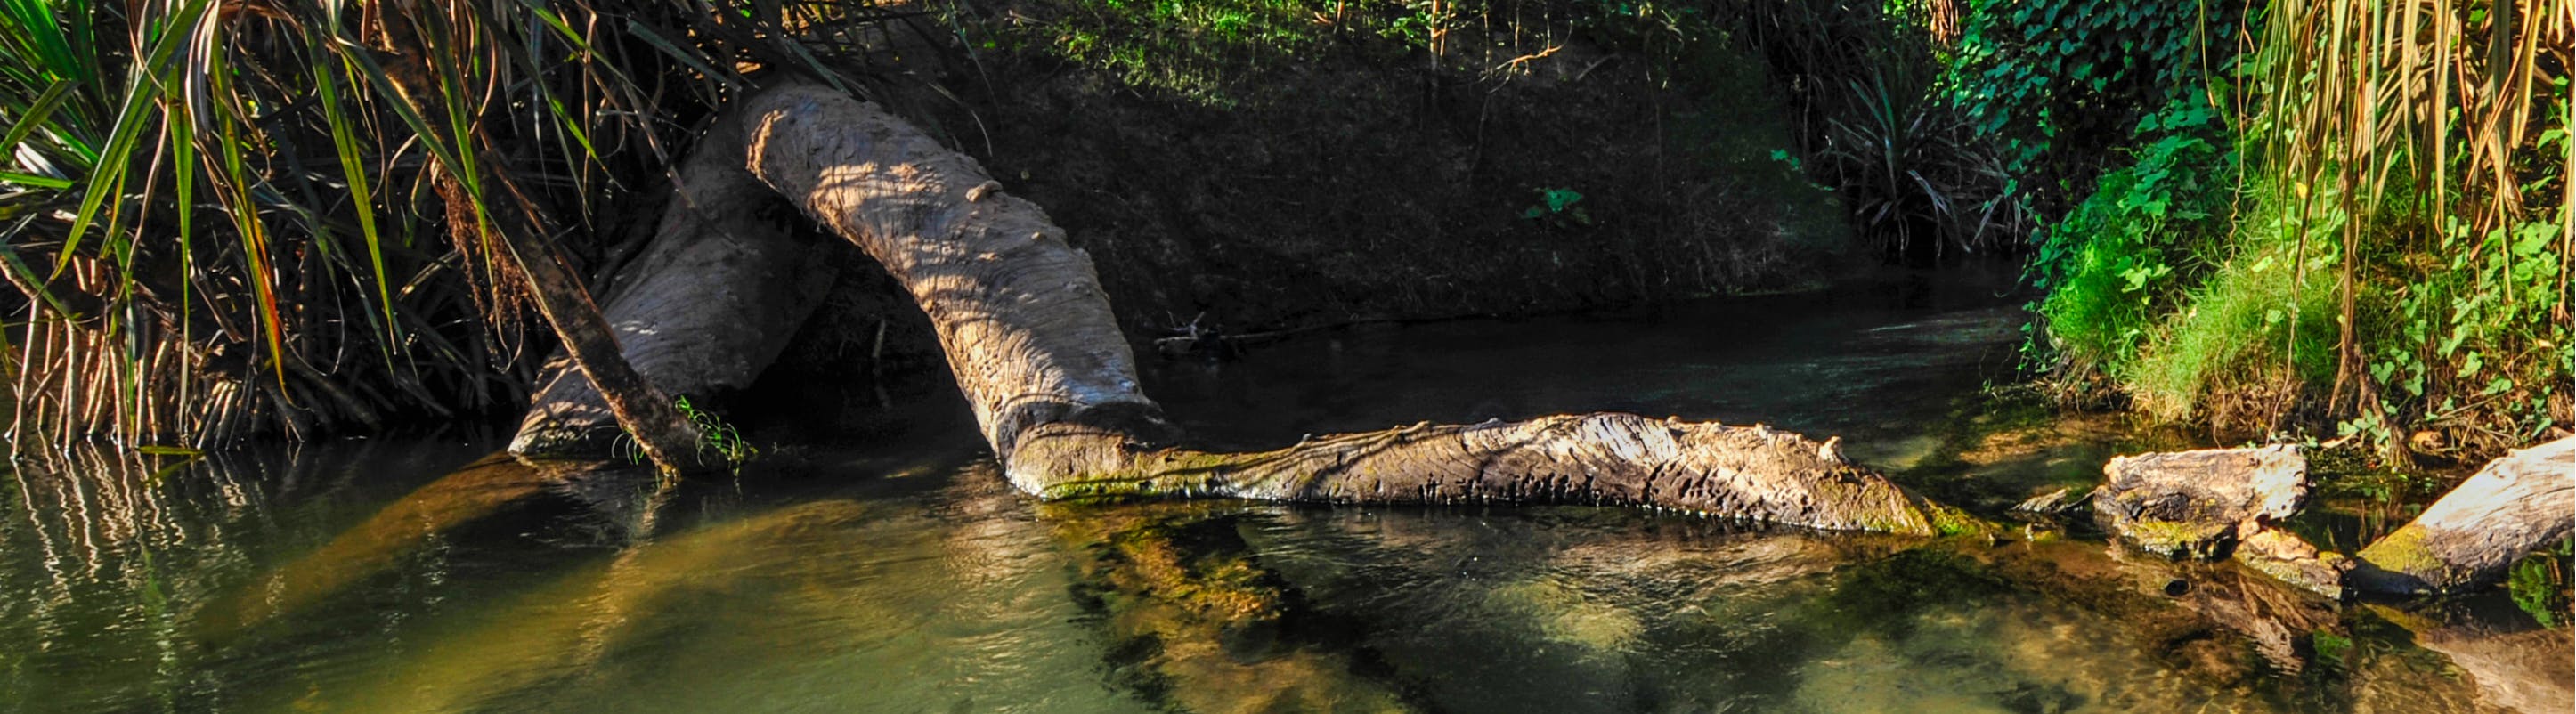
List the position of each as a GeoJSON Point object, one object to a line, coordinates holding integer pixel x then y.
{"type": "Point", "coordinates": [1556, 209]}
{"type": "Point", "coordinates": [2331, 648]}
{"type": "Point", "coordinates": [2539, 584]}
{"type": "Point", "coordinates": [716, 437]}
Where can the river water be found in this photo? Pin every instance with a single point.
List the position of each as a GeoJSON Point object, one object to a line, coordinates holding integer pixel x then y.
{"type": "Point", "coordinates": [881, 565]}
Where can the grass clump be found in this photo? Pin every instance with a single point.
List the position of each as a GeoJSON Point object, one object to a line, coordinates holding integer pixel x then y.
{"type": "Point", "coordinates": [2125, 257]}
{"type": "Point", "coordinates": [2258, 330]}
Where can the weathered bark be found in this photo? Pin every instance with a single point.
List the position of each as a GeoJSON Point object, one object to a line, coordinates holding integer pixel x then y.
{"type": "Point", "coordinates": [715, 296]}
{"type": "Point", "coordinates": [2471, 536]}
{"type": "Point", "coordinates": [2199, 503]}
{"type": "Point", "coordinates": [1028, 332]}
{"type": "Point", "coordinates": [665, 437]}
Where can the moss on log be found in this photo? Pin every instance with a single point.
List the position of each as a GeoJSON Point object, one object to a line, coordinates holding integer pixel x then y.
{"type": "Point", "coordinates": [2471, 536]}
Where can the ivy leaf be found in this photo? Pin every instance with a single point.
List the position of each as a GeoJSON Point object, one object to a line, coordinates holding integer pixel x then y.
{"type": "Point", "coordinates": [2535, 238]}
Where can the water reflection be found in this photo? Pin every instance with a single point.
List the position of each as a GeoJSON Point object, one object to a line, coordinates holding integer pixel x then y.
{"type": "Point", "coordinates": [901, 573]}
{"type": "Point", "coordinates": [480, 490]}
{"type": "Point", "coordinates": [929, 586]}
{"type": "Point", "coordinates": [106, 556]}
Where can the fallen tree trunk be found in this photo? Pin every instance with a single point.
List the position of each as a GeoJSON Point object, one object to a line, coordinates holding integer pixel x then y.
{"type": "Point", "coordinates": [2469, 538]}
{"type": "Point", "coordinates": [1028, 333]}
{"type": "Point", "coordinates": [484, 201]}
{"type": "Point", "coordinates": [713, 299]}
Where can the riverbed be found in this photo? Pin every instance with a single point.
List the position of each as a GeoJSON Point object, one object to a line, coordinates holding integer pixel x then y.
{"type": "Point", "coordinates": [875, 561]}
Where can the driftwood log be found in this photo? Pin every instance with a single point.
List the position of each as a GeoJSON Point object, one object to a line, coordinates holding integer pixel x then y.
{"type": "Point", "coordinates": [2470, 537]}
{"type": "Point", "coordinates": [709, 303]}
{"type": "Point", "coordinates": [2199, 503]}
{"type": "Point", "coordinates": [1024, 324]}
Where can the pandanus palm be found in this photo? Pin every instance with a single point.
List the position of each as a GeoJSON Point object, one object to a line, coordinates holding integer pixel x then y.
{"type": "Point", "coordinates": [222, 218]}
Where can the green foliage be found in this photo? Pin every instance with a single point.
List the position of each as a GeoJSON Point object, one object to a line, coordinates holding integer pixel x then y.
{"type": "Point", "coordinates": [2539, 584]}
{"type": "Point", "coordinates": [2120, 260]}
{"type": "Point", "coordinates": [2386, 256]}
{"type": "Point", "coordinates": [1193, 50]}
{"type": "Point", "coordinates": [717, 438]}
{"type": "Point", "coordinates": [2332, 649]}
{"type": "Point", "coordinates": [2250, 338]}
{"type": "Point", "coordinates": [1909, 164]}
{"type": "Point", "coordinates": [2473, 340]}
{"type": "Point", "coordinates": [1556, 209]}
{"type": "Point", "coordinates": [1208, 52]}
{"type": "Point", "coordinates": [221, 222]}
{"type": "Point", "coordinates": [154, 161]}
{"type": "Point", "coordinates": [2456, 181]}
{"type": "Point", "coordinates": [2056, 82]}
{"type": "Point", "coordinates": [1879, 124]}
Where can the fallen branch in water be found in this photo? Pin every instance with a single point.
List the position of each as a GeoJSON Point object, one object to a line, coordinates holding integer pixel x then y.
{"type": "Point", "coordinates": [1028, 332]}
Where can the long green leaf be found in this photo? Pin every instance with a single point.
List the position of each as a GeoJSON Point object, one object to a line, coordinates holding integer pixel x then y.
{"type": "Point", "coordinates": [335, 112]}
{"type": "Point", "coordinates": [140, 99]}
{"type": "Point", "coordinates": [32, 180]}
{"type": "Point", "coordinates": [37, 113]}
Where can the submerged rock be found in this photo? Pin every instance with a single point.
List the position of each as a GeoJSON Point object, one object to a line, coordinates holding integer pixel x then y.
{"type": "Point", "coordinates": [2199, 503]}
{"type": "Point", "coordinates": [2053, 502]}
{"type": "Point", "coordinates": [2291, 559]}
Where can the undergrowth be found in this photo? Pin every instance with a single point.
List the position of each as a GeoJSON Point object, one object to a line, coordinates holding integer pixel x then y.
{"type": "Point", "coordinates": [2268, 257]}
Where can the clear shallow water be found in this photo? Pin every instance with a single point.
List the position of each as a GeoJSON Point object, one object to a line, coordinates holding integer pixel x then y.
{"type": "Point", "coordinates": [894, 571]}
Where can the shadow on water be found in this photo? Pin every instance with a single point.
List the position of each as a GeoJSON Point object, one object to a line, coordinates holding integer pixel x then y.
{"type": "Point", "coordinates": [897, 571]}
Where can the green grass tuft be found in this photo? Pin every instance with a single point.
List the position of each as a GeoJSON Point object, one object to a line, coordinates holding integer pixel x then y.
{"type": "Point", "coordinates": [2259, 329]}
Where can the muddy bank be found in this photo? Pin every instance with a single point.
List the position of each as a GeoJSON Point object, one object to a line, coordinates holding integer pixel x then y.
{"type": "Point", "coordinates": [1222, 188]}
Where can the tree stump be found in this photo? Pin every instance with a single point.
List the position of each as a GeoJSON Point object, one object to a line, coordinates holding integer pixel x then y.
{"type": "Point", "coordinates": [2199, 503]}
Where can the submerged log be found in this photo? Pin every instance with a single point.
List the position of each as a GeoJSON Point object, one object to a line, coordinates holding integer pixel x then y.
{"type": "Point", "coordinates": [2291, 559]}
{"type": "Point", "coordinates": [1028, 332]}
{"type": "Point", "coordinates": [2523, 670]}
{"type": "Point", "coordinates": [2471, 536]}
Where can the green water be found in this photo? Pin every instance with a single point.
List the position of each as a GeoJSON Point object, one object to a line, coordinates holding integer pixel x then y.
{"type": "Point", "coordinates": [878, 563]}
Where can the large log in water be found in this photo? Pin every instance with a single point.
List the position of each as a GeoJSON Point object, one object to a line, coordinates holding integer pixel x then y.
{"type": "Point", "coordinates": [709, 304]}
{"type": "Point", "coordinates": [1028, 332]}
{"type": "Point", "coordinates": [2469, 538]}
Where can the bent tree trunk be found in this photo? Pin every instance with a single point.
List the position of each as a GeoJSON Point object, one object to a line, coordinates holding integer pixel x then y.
{"type": "Point", "coordinates": [1026, 328]}
{"type": "Point", "coordinates": [711, 301]}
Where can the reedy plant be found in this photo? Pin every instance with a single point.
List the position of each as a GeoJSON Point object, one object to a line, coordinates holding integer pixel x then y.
{"type": "Point", "coordinates": [2440, 128]}
{"type": "Point", "coordinates": [220, 215]}
{"type": "Point", "coordinates": [1866, 83]}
